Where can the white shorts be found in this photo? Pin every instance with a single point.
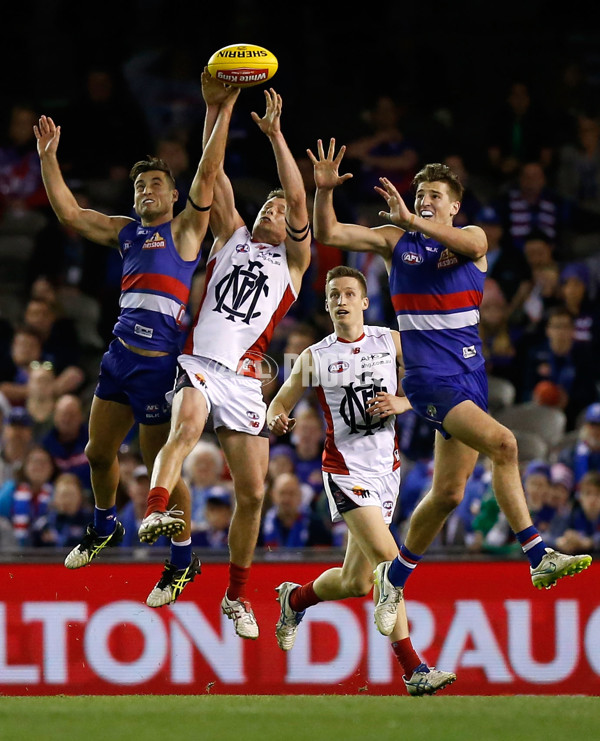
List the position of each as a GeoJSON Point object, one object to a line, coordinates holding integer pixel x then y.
{"type": "Point", "coordinates": [234, 401]}
{"type": "Point", "coordinates": [346, 492]}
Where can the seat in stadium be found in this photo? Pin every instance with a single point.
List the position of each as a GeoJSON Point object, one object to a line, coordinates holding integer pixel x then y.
{"type": "Point", "coordinates": [501, 394]}
{"type": "Point", "coordinates": [548, 422]}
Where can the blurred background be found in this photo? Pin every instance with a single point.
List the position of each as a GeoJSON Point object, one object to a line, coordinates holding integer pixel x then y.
{"type": "Point", "coordinates": [509, 98]}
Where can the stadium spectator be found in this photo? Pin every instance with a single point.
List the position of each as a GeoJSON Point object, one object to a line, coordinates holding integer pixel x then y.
{"type": "Point", "coordinates": [203, 472]}
{"type": "Point", "coordinates": [384, 150]}
{"type": "Point", "coordinates": [558, 359]}
{"type": "Point", "coordinates": [67, 517]}
{"type": "Point", "coordinates": [307, 439]}
{"type": "Point", "coordinates": [67, 439]}
{"type": "Point", "coordinates": [517, 133]}
{"type": "Point", "coordinates": [575, 294]}
{"type": "Point", "coordinates": [531, 204]}
{"type": "Point", "coordinates": [25, 348]}
{"type": "Point", "coordinates": [214, 531]}
{"type": "Point", "coordinates": [583, 455]}
{"type": "Point", "coordinates": [17, 439]}
{"type": "Point", "coordinates": [499, 338]}
{"type": "Point", "coordinates": [583, 529]}
{"type": "Point", "coordinates": [22, 196]}
{"type": "Point", "coordinates": [26, 497]}
{"type": "Point", "coordinates": [562, 500]}
{"type": "Point", "coordinates": [41, 398]}
{"type": "Point", "coordinates": [507, 265]}
{"type": "Point", "coordinates": [288, 523]}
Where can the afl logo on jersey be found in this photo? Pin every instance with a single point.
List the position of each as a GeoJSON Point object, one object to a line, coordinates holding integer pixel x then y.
{"type": "Point", "coordinates": [411, 258]}
{"type": "Point", "coordinates": [338, 367]}
{"type": "Point", "coordinates": [242, 248]}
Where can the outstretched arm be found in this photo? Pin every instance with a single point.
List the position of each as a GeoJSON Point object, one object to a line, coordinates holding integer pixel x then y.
{"type": "Point", "coordinates": [189, 227]}
{"type": "Point", "coordinates": [328, 230]}
{"type": "Point", "coordinates": [91, 224]}
{"type": "Point", "coordinates": [224, 217]}
{"type": "Point", "coordinates": [296, 212]}
{"type": "Point", "coordinates": [278, 419]}
{"type": "Point", "coordinates": [469, 241]}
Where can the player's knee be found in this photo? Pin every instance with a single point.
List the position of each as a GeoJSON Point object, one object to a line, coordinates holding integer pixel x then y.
{"type": "Point", "coordinates": [98, 457]}
{"type": "Point", "coordinates": [185, 433]}
{"type": "Point", "coordinates": [449, 494]}
{"type": "Point", "coordinates": [505, 447]}
{"type": "Point", "coordinates": [249, 496]}
{"type": "Point", "coordinates": [357, 586]}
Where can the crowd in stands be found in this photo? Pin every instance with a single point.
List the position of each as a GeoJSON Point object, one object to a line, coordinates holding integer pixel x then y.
{"type": "Point", "coordinates": [532, 179]}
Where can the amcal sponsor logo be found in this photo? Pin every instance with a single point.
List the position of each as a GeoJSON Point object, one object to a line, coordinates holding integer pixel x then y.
{"type": "Point", "coordinates": [338, 367]}
{"type": "Point", "coordinates": [411, 258]}
{"type": "Point", "coordinates": [156, 242]}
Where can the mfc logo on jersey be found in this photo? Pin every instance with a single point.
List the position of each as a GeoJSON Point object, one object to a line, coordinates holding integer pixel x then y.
{"type": "Point", "coordinates": [353, 409]}
{"type": "Point", "coordinates": [238, 293]}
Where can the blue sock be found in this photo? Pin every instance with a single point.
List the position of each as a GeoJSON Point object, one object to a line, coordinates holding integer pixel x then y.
{"type": "Point", "coordinates": [181, 553]}
{"type": "Point", "coordinates": [422, 668]}
{"type": "Point", "coordinates": [105, 520]}
{"type": "Point", "coordinates": [532, 544]}
{"type": "Point", "coordinates": [403, 566]}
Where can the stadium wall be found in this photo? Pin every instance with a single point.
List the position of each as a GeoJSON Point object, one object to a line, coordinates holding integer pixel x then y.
{"type": "Point", "coordinates": [89, 632]}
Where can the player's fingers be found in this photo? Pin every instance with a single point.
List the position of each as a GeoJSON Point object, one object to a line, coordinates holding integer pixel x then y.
{"type": "Point", "coordinates": [320, 150]}
{"type": "Point", "coordinates": [331, 151]}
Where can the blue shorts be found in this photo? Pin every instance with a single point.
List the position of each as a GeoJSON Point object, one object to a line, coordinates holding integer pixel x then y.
{"type": "Point", "coordinates": [138, 381]}
{"type": "Point", "coordinates": [432, 397]}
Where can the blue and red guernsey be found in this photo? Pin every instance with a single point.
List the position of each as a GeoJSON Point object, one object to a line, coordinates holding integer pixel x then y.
{"type": "Point", "coordinates": [436, 295]}
{"type": "Point", "coordinates": [155, 288]}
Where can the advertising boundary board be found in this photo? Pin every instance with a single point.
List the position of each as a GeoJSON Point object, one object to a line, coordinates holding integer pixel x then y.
{"type": "Point", "coordinates": [89, 632]}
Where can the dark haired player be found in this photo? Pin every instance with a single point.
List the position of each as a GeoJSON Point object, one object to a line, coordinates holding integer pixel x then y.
{"type": "Point", "coordinates": [437, 273]}
{"type": "Point", "coordinates": [160, 253]}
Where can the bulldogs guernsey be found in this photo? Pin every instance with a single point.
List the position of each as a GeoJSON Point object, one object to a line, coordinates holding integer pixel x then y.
{"type": "Point", "coordinates": [436, 295]}
{"type": "Point", "coordinates": [155, 288]}
{"type": "Point", "coordinates": [346, 375]}
{"type": "Point", "coordinates": [247, 291]}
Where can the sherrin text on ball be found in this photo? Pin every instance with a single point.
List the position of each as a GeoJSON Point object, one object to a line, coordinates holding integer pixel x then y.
{"type": "Point", "coordinates": [243, 65]}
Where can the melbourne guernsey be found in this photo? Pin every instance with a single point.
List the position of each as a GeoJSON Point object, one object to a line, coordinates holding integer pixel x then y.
{"type": "Point", "coordinates": [346, 375]}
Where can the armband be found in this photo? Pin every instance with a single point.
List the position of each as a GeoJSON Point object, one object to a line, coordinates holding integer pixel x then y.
{"type": "Point", "coordinates": [199, 208]}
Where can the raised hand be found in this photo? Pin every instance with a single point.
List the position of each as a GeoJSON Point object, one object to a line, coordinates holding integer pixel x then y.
{"type": "Point", "coordinates": [327, 168]}
{"type": "Point", "coordinates": [47, 134]}
{"type": "Point", "coordinates": [216, 92]}
{"type": "Point", "coordinates": [398, 213]}
{"type": "Point", "coordinates": [269, 124]}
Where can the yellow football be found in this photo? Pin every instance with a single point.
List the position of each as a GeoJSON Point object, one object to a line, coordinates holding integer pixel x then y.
{"type": "Point", "coordinates": [243, 65]}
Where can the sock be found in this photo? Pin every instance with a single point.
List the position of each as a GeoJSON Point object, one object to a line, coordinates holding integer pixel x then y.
{"type": "Point", "coordinates": [238, 578]}
{"type": "Point", "coordinates": [158, 500]}
{"type": "Point", "coordinates": [181, 553]}
{"type": "Point", "coordinates": [532, 544]}
{"type": "Point", "coordinates": [303, 597]}
{"type": "Point", "coordinates": [105, 520]}
{"type": "Point", "coordinates": [408, 658]}
{"type": "Point", "coordinates": [403, 566]}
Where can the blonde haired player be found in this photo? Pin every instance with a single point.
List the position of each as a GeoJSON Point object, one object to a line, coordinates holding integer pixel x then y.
{"type": "Point", "coordinates": [355, 372]}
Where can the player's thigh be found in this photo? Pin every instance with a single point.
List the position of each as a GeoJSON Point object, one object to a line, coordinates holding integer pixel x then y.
{"type": "Point", "coordinates": [248, 459]}
{"type": "Point", "coordinates": [188, 415]}
{"type": "Point", "coordinates": [152, 439]}
{"type": "Point", "coordinates": [454, 462]}
{"type": "Point", "coordinates": [371, 534]}
{"type": "Point", "coordinates": [108, 425]}
{"type": "Point", "coordinates": [476, 428]}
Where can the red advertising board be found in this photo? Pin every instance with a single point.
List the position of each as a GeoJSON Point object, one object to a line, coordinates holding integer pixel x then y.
{"type": "Point", "coordinates": [90, 632]}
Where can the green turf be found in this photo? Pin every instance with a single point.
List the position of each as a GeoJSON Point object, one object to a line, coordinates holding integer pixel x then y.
{"type": "Point", "coordinates": [298, 718]}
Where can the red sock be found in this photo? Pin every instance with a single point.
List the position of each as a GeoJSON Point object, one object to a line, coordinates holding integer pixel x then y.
{"type": "Point", "coordinates": [158, 500]}
{"type": "Point", "coordinates": [406, 655]}
{"type": "Point", "coordinates": [303, 597]}
{"type": "Point", "coordinates": [238, 578]}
